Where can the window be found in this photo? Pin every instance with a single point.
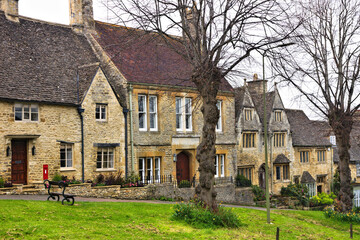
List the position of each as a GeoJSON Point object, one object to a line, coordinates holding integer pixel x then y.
{"type": "Point", "coordinates": [321, 156]}
{"type": "Point", "coordinates": [278, 173]}
{"type": "Point", "coordinates": [105, 158]}
{"type": "Point", "coordinates": [142, 112]}
{"type": "Point", "coordinates": [219, 123]}
{"type": "Point", "coordinates": [278, 116]}
{"type": "Point", "coordinates": [100, 112]}
{"type": "Point", "coordinates": [333, 140]}
{"type": "Point", "coordinates": [149, 169]}
{"type": "Point", "coordinates": [183, 114]}
{"type": "Point", "coordinates": [304, 156]}
{"type": "Point", "coordinates": [297, 179]}
{"type": "Point", "coordinates": [358, 169]}
{"type": "Point", "coordinates": [279, 139]}
{"type": "Point", "coordinates": [311, 188]}
{"type": "Point", "coordinates": [27, 113]}
{"type": "Point", "coordinates": [248, 140]}
{"type": "Point", "coordinates": [286, 172]}
{"type": "Point", "coordinates": [219, 165]}
{"type": "Point", "coordinates": [248, 114]}
{"type": "Point", "coordinates": [153, 113]}
{"type": "Point", "coordinates": [66, 159]}
{"type": "Point", "coordinates": [246, 172]}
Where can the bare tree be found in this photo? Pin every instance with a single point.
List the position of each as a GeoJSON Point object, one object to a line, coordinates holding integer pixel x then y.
{"type": "Point", "coordinates": [217, 35]}
{"type": "Point", "coordinates": [324, 66]}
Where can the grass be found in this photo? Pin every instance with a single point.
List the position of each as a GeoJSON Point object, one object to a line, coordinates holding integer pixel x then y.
{"type": "Point", "coordinates": [85, 220]}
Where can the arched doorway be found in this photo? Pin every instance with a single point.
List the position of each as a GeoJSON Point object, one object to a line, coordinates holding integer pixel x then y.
{"type": "Point", "coordinates": [262, 176]}
{"type": "Point", "coordinates": [182, 167]}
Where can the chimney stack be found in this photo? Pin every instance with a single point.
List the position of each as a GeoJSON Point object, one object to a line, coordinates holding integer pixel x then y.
{"type": "Point", "coordinates": [256, 86]}
{"type": "Point", "coordinates": [11, 9]}
{"type": "Point", "coordinates": [82, 16]}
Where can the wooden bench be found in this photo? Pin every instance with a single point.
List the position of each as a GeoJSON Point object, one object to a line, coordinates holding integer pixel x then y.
{"type": "Point", "coordinates": [67, 198]}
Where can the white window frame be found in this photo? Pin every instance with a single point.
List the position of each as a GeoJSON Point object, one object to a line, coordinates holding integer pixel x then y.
{"type": "Point", "coordinates": [143, 128]}
{"type": "Point", "coordinates": [142, 170]}
{"type": "Point", "coordinates": [157, 169]}
{"type": "Point", "coordinates": [216, 165]}
{"type": "Point", "coordinates": [149, 169]}
{"type": "Point", "coordinates": [312, 189]}
{"type": "Point", "coordinates": [183, 111]}
{"type": "Point", "coordinates": [102, 110]}
{"type": "Point", "coordinates": [107, 152]}
{"type": "Point", "coordinates": [222, 165]}
{"type": "Point", "coordinates": [66, 147]}
{"type": "Point", "coordinates": [358, 169]}
{"type": "Point", "coordinates": [153, 113]}
{"type": "Point", "coordinates": [30, 112]}
{"type": "Point", "coordinates": [333, 140]}
{"type": "Point", "coordinates": [219, 123]}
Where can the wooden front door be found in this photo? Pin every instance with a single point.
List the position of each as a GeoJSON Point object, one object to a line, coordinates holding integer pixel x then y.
{"type": "Point", "coordinates": [182, 167]}
{"type": "Point", "coordinates": [19, 161]}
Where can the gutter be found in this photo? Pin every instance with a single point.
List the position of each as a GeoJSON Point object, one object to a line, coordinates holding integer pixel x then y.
{"type": "Point", "coordinates": [130, 89]}
{"type": "Point", "coordinates": [125, 112]}
{"type": "Point", "coordinates": [80, 112]}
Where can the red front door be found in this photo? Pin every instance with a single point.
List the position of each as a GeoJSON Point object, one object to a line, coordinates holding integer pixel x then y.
{"type": "Point", "coordinates": [182, 167]}
{"type": "Point", "coordinates": [19, 161]}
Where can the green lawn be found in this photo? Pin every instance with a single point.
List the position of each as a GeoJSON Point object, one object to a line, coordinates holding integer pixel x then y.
{"type": "Point", "coordinates": [51, 220]}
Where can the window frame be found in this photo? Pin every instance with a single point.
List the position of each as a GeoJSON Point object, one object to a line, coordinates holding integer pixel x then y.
{"type": "Point", "coordinates": [248, 140]}
{"type": "Point", "coordinates": [109, 158]}
{"type": "Point", "coordinates": [29, 112]}
{"type": "Point", "coordinates": [67, 146]}
{"type": "Point", "coordinates": [219, 165]}
{"type": "Point", "coordinates": [248, 114]}
{"type": "Point", "coordinates": [278, 116]}
{"type": "Point", "coordinates": [219, 123]}
{"type": "Point", "coordinates": [321, 156]}
{"type": "Point", "coordinates": [144, 112]}
{"type": "Point", "coordinates": [303, 154]}
{"type": "Point", "coordinates": [101, 106]}
{"type": "Point", "coordinates": [150, 165]}
{"type": "Point", "coordinates": [357, 169]}
{"type": "Point", "coordinates": [183, 111]}
{"type": "Point", "coordinates": [279, 139]}
{"type": "Point", "coordinates": [153, 113]}
{"type": "Point", "coordinates": [142, 170]}
{"type": "Point", "coordinates": [246, 172]}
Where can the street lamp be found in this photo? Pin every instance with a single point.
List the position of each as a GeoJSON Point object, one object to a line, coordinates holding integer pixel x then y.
{"type": "Point", "coordinates": [265, 132]}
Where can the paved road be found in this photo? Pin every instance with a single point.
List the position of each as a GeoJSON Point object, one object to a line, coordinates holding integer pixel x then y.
{"type": "Point", "coordinates": [83, 199]}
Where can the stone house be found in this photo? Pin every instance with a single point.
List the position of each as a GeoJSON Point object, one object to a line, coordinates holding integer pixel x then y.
{"type": "Point", "coordinates": [298, 148]}
{"type": "Point", "coordinates": [59, 111]}
{"type": "Point", "coordinates": [164, 106]}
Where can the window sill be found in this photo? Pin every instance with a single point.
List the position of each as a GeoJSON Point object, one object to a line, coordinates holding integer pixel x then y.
{"type": "Point", "coordinates": [106, 170]}
{"type": "Point", "coordinates": [101, 121]}
{"type": "Point", "coordinates": [67, 169]}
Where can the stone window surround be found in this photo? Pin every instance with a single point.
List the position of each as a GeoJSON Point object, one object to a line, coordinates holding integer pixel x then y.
{"type": "Point", "coordinates": [279, 139]}
{"type": "Point", "coordinates": [321, 154]}
{"type": "Point", "coordinates": [248, 114]}
{"type": "Point", "coordinates": [219, 125]}
{"type": "Point", "coordinates": [308, 156]}
{"type": "Point", "coordinates": [278, 115]}
{"type": "Point", "coordinates": [279, 176]}
{"type": "Point", "coordinates": [246, 172]}
{"type": "Point", "coordinates": [249, 140]}
{"type": "Point", "coordinates": [30, 112]}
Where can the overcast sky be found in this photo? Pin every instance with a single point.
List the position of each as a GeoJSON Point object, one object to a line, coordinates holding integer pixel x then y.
{"type": "Point", "coordinates": [58, 11]}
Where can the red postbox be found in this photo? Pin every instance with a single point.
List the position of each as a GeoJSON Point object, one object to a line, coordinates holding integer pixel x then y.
{"type": "Point", "coordinates": [45, 172]}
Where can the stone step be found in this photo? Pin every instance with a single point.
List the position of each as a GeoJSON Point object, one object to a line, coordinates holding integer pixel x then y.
{"type": "Point", "coordinates": [28, 186]}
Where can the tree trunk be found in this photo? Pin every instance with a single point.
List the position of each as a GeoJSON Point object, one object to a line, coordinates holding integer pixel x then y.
{"type": "Point", "coordinates": [208, 85]}
{"type": "Point", "coordinates": [342, 125]}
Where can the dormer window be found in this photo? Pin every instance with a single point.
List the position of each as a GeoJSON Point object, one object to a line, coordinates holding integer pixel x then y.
{"type": "Point", "coordinates": [278, 116]}
{"type": "Point", "coordinates": [248, 114]}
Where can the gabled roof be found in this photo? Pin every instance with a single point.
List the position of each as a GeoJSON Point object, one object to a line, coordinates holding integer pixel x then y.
{"type": "Point", "coordinates": [258, 100]}
{"type": "Point", "coordinates": [307, 178]}
{"type": "Point", "coordinates": [145, 58]}
{"type": "Point", "coordinates": [306, 132]}
{"type": "Point", "coordinates": [38, 61]}
{"type": "Point", "coordinates": [281, 158]}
